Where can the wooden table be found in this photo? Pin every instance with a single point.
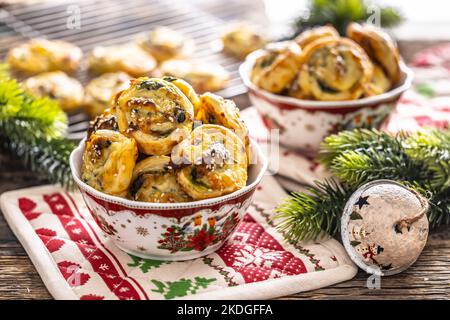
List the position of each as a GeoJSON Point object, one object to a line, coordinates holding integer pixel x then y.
{"type": "Point", "coordinates": [428, 278]}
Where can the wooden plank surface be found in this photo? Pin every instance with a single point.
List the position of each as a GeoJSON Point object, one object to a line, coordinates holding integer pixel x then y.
{"type": "Point", "coordinates": [428, 278]}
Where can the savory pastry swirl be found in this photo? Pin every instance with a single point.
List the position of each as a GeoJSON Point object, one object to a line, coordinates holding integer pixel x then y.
{"type": "Point", "coordinates": [216, 159]}
{"type": "Point", "coordinates": [99, 91]}
{"type": "Point", "coordinates": [155, 180]}
{"type": "Point", "coordinates": [155, 113]}
{"type": "Point", "coordinates": [105, 121]}
{"type": "Point", "coordinates": [313, 34]}
{"type": "Point", "coordinates": [217, 110]}
{"type": "Point", "coordinates": [379, 84]}
{"type": "Point", "coordinates": [201, 76]}
{"type": "Point", "coordinates": [334, 69]}
{"type": "Point", "coordinates": [108, 162]}
{"type": "Point", "coordinates": [56, 85]}
{"type": "Point", "coordinates": [130, 59]}
{"type": "Point", "coordinates": [379, 46]}
{"type": "Point", "coordinates": [41, 55]}
{"type": "Point", "coordinates": [276, 68]}
{"type": "Point", "coordinates": [241, 39]}
{"type": "Point", "coordinates": [187, 90]}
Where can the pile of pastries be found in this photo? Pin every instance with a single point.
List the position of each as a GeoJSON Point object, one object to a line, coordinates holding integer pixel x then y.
{"type": "Point", "coordinates": [162, 142]}
{"type": "Point", "coordinates": [50, 66]}
{"type": "Point", "coordinates": [319, 64]}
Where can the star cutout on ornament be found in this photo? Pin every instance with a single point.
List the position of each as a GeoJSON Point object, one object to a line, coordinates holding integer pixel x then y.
{"type": "Point", "coordinates": [362, 201]}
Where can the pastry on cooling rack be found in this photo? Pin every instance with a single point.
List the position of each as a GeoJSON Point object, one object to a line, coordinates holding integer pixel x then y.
{"type": "Point", "coordinates": [107, 120]}
{"type": "Point", "coordinates": [155, 113]}
{"type": "Point", "coordinates": [276, 68]}
{"type": "Point", "coordinates": [128, 58]}
{"type": "Point", "coordinates": [155, 180]}
{"type": "Point", "coordinates": [216, 159]}
{"type": "Point", "coordinates": [108, 162]}
{"type": "Point", "coordinates": [379, 84]}
{"type": "Point", "coordinates": [164, 43]}
{"type": "Point", "coordinates": [217, 110]}
{"type": "Point", "coordinates": [379, 46]}
{"type": "Point", "coordinates": [99, 91]}
{"type": "Point", "coordinates": [41, 55]}
{"type": "Point", "coordinates": [241, 39]}
{"type": "Point", "coordinates": [202, 76]}
{"type": "Point", "coordinates": [334, 69]}
{"type": "Point", "coordinates": [57, 85]}
{"type": "Point", "coordinates": [308, 36]}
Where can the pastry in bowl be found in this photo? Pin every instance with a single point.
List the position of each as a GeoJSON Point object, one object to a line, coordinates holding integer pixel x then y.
{"type": "Point", "coordinates": [187, 90]}
{"type": "Point", "coordinates": [107, 120]}
{"type": "Point", "coordinates": [164, 43]}
{"type": "Point", "coordinates": [108, 162]}
{"type": "Point", "coordinates": [334, 69]}
{"type": "Point", "coordinates": [155, 113]}
{"type": "Point", "coordinates": [241, 39]}
{"type": "Point", "coordinates": [127, 58]}
{"type": "Point", "coordinates": [216, 159]}
{"type": "Point", "coordinates": [155, 180]}
{"type": "Point", "coordinates": [57, 85]}
{"type": "Point", "coordinates": [41, 55]}
{"type": "Point", "coordinates": [202, 76]}
{"type": "Point", "coordinates": [100, 90]}
{"type": "Point", "coordinates": [276, 67]}
{"type": "Point", "coordinates": [311, 35]}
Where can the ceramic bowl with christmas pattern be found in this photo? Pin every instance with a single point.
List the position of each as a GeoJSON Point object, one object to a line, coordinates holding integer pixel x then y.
{"type": "Point", "coordinates": [303, 124]}
{"type": "Point", "coordinates": [169, 231]}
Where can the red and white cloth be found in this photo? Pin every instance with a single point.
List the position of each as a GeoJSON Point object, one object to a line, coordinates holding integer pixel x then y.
{"type": "Point", "coordinates": [77, 261]}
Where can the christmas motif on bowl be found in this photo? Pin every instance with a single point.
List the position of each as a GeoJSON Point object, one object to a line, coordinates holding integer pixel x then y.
{"type": "Point", "coordinates": [303, 124]}
{"type": "Point", "coordinates": [169, 231]}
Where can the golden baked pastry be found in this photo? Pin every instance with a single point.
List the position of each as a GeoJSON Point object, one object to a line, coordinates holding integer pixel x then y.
{"type": "Point", "coordinates": [277, 67]}
{"type": "Point", "coordinates": [108, 162]}
{"type": "Point", "coordinates": [99, 91]}
{"type": "Point", "coordinates": [57, 85]}
{"type": "Point", "coordinates": [41, 55]}
{"type": "Point", "coordinates": [334, 69]}
{"type": "Point", "coordinates": [379, 84]}
{"type": "Point", "coordinates": [379, 46]}
{"type": "Point", "coordinates": [201, 76]}
{"type": "Point", "coordinates": [155, 113]}
{"type": "Point", "coordinates": [155, 180]}
{"type": "Point", "coordinates": [164, 43]}
{"type": "Point", "coordinates": [128, 58]}
{"type": "Point", "coordinates": [216, 159]}
{"type": "Point", "coordinates": [241, 39]}
{"type": "Point", "coordinates": [105, 121]}
{"type": "Point", "coordinates": [217, 110]}
{"type": "Point", "coordinates": [187, 90]}
{"type": "Point", "coordinates": [308, 36]}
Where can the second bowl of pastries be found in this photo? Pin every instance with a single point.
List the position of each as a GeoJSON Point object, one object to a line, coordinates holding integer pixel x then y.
{"type": "Point", "coordinates": [321, 83]}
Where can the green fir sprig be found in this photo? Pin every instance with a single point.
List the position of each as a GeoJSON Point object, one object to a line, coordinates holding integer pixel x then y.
{"type": "Point", "coordinates": [420, 160]}
{"type": "Point", "coordinates": [33, 129]}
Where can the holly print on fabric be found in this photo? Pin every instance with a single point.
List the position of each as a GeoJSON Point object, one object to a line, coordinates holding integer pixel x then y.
{"type": "Point", "coordinates": [146, 264]}
{"type": "Point", "coordinates": [181, 287]}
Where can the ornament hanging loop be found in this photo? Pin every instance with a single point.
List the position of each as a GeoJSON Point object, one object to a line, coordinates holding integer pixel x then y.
{"type": "Point", "coordinates": [408, 221]}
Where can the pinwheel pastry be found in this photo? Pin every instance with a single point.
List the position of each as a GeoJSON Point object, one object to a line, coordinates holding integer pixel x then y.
{"type": "Point", "coordinates": [57, 85]}
{"type": "Point", "coordinates": [128, 58]}
{"type": "Point", "coordinates": [41, 55]}
{"type": "Point", "coordinates": [202, 76]}
{"type": "Point", "coordinates": [108, 162]}
{"type": "Point", "coordinates": [241, 39]}
{"type": "Point", "coordinates": [164, 43]}
{"type": "Point", "coordinates": [217, 110]}
{"type": "Point", "coordinates": [99, 91]}
{"type": "Point", "coordinates": [187, 90]}
{"type": "Point", "coordinates": [313, 34]}
{"type": "Point", "coordinates": [334, 69]}
{"type": "Point", "coordinates": [216, 159]}
{"type": "Point", "coordinates": [276, 68]}
{"type": "Point", "coordinates": [105, 121]}
{"type": "Point", "coordinates": [155, 180]}
{"type": "Point", "coordinates": [155, 113]}
{"type": "Point", "coordinates": [379, 46]}
{"type": "Point", "coordinates": [379, 84]}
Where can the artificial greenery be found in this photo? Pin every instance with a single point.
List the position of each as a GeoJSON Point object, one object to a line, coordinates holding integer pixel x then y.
{"type": "Point", "coordinates": [420, 160]}
{"type": "Point", "coordinates": [340, 13]}
{"type": "Point", "coordinates": [33, 129]}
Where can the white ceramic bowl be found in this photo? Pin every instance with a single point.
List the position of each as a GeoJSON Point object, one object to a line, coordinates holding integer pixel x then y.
{"type": "Point", "coordinates": [303, 124]}
{"type": "Point", "coordinates": [169, 231]}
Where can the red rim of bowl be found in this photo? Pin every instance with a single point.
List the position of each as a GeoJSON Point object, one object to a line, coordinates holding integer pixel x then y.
{"type": "Point", "coordinates": [78, 152]}
{"type": "Point", "coordinates": [246, 67]}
